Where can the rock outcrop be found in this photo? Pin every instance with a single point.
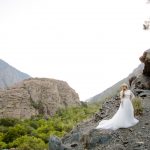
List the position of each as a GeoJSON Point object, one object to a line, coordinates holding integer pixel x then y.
{"type": "Point", "coordinates": [141, 86]}
{"type": "Point", "coordinates": [146, 60]}
{"type": "Point", "coordinates": [9, 75]}
{"type": "Point", "coordinates": [36, 96]}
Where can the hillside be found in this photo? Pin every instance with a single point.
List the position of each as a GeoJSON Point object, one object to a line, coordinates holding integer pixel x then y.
{"type": "Point", "coordinates": [9, 75]}
{"type": "Point", "coordinates": [85, 137]}
{"type": "Point", "coordinates": [115, 88]}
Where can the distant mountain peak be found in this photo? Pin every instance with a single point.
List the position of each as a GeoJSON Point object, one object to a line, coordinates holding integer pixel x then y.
{"type": "Point", "coordinates": [10, 75]}
{"type": "Point", "coordinates": [3, 63]}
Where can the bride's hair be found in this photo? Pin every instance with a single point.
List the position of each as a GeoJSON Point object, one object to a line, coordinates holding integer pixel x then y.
{"type": "Point", "coordinates": [123, 90]}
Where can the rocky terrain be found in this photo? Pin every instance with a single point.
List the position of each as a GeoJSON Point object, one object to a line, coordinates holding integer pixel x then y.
{"type": "Point", "coordinates": [9, 75]}
{"type": "Point", "coordinates": [85, 137]}
{"type": "Point", "coordinates": [36, 96]}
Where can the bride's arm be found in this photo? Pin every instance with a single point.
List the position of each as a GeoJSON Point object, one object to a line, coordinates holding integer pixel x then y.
{"type": "Point", "coordinates": [121, 95]}
{"type": "Point", "coordinates": [132, 95]}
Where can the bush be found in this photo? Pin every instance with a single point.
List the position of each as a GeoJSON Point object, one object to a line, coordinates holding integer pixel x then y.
{"type": "Point", "coordinates": [8, 122]}
{"type": "Point", "coordinates": [137, 105]}
{"type": "Point", "coordinates": [28, 143]}
{"type": "Point", "coordinates": [15, 132]}
{"type": "Point", "coordinates": [2, 145]}
{"type": "Point", "coordinates": [34, 133]}
{"type": "Point", "coordinates": [3, 129]}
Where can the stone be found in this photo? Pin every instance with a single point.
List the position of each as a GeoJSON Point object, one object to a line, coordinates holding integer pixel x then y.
{"type": "Point", "coordinates": [36, 96]}
{"type": "Point", "coordinates": [94, 137]}
{"type": "Point", "coordinates": [131, 80]}
{"type": "Point", "coordinates": [141, 86]}
{"type": "Point", "coordinates": [145, 58]}
{"type": "Point", "coordinates": [140, 143]}
{"type": "Point", "coordinates": [98, 117]}
{"type": "Point", "coordinates": [56, 144]}
{"type": "Point", "coordinates": [116, 147]}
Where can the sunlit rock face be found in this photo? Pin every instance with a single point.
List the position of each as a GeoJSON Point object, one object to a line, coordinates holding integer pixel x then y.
{"type": "Point", "coordinates": [36, 96]}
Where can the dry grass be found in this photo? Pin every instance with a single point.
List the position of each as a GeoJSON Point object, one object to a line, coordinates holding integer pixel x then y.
{"type": "Point", "coordinates": [138, 107]}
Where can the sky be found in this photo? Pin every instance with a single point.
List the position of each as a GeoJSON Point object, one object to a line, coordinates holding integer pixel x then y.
{"type": "Point", "coordinates": [91, 44]}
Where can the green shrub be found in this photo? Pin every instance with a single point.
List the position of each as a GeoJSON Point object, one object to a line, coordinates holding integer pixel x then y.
{"type": "Point", "coordinates": [15, 132]}
{"type": "Point", "coordinates": [3, 129]}
{"type": "Point", "coordinates": [137, 105]}
{"type": "Point", "coordinates": [33, 124]}
{"type": "Point", "coordinates": [28, 143]}
{"type": "Point", "coordinates": [34, 133]}
{"type": "Point", "coordinates": [3, 145]}
{"type": "Point", "coordinates": [8, 122]}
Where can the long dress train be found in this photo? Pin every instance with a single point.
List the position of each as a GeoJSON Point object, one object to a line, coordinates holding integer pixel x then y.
{"type": "Point", "coordinates": [124, 117]}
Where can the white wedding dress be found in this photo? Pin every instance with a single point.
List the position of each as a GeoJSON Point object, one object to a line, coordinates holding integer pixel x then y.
{"type": "Point", "coordinates": [124, 117]}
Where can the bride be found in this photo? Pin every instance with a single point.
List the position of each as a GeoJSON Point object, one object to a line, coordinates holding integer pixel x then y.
{"type": "Point", "coordinates": [124, 117]}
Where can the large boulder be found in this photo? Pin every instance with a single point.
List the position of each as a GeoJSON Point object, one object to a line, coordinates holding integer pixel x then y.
{"type": "Point", "coordinates": [36, 96]}
{"type": "Point", "coordinates": [145, 58]}
{"type": "Point", "coordinates": [56, 144]}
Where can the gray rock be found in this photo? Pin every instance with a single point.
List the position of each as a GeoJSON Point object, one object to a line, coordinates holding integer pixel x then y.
{"type": "Point", "coordinates": [56, 144]}
{"type": "Point", "coordinates": [116, 147]}
{"type": "Point", "coordinates": [98, 137]}
{"type": "Point", "coordinates": [145, 58]}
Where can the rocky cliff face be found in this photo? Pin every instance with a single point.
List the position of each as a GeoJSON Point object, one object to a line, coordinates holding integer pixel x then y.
{"type": "Point", "coordinates": [146, 60]}
{"type": "Point", "coordinates": [36, 96]}
{"type": "Point", "coordinates": [9, 75]}
{"type": "Point", "coordinates": [140, 84]}
{"type": "Point", "coordinates": [85, 137]}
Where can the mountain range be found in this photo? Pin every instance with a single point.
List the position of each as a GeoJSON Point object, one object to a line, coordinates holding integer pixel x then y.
{"type": "Point", "coordinates": [10, 75]}
{"type": "Point", "coordinates": [111, 91]}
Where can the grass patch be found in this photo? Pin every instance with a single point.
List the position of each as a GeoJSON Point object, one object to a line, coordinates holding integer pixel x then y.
{"type": "Point", "coordinates": [137, 105]}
